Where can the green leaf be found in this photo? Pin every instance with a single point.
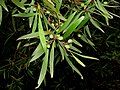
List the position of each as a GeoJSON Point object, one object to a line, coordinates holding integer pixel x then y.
{"type": "Point", "coordinates": [37, 53]}
{"type": "Point", "coordinates": [77, 43]}
{"type": "Point", "coordinates": [19, 4]}
{"type": "Point", "coordinates": [86, 19]}
{"type": "Point", "coordinates": [42, 35]}
{"type": "Point", "coordinates": [88, 31]}
{"type": "Point", "coordinates": [88, 57]}
{"type": "Point", "coordinates": [75, 49]}
{"type": "Point", "coordinates": [34, 24]}
{"type": "Point", "coordinates": [66, 23]}
{"type": "Point", "coordinates": [2, 3]}
{"type": "Point", "coordinates": [29, 44]}
{"type": "Point", "coordinates": [62, 51]}
{"type": "Point", "coordinates": [81, 63]}
{"type": "Point", "coordinates": [24, 15]}
{"type": "Point", "coordinates": [29, 36]}
{"type": "Point", "coordinates": [51, 62]}
{"type": "Point", "coordinates": [43, 69]}
{"type": "Point", "coordinates": [72, 66]}
{"type": "Point", "coordinates": [96, 24]}
{"type": "Point", "coordinates": [0, 15]}
{"type": "Point", "coordinates": [73, 27]}
{"type": "Point", "coordinates": [58, 4]}
{"type": "Point", "coordinates": [84, 56]}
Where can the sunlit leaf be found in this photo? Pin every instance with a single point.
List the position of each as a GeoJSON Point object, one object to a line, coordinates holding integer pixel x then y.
{"type": "Point", "coordinates": [77, 43]}
{"type": "Point", "coordinates": [34, 24]}
{"type": "Point", "coordinates": [96, 24]}
{"type": "Point", "coordinates": [73, 27]}
{"type": "Point", "coordinates": [81, 63]}
{"type": "Point", "coordinates": [0, 15]}
{"type": "Point", "coordinates": [2, 3]}
{"type": "Point", "coordinates": [28, 36]}
{"type": "Point", "coordinates": [42, 35]}
{"type": "Point", "coordinates": [51, 62]}
{"type": "Point", "coordinates": [19, 4]}
{"type": "Point", "coordinates": [43, 69]}
{"type": "Point", "coordinates": [24, 15]}
{"type": "Point", "coordinates": [37, 53]}
{"type": "Point", "coordinates": [66, 23]}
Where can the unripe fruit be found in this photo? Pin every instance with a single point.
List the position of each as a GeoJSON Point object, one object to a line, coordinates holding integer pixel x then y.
{"type": "Point", "coordinates": [48, 46]}
{"type": "Point", "coordinates": [60, 38]}
{"type": "Point", "coordinates": [79, 35]}
{"type": "Point", "coordinates": [70, 41]}
{"type": "Point", "coordinates": [67, 46]}
{"type": "Point", "coordinates": [82, 4]}
{"type": "Point", "coordinates": [51, 36]}
{"type": "Point", "coordinates": [105, 2]}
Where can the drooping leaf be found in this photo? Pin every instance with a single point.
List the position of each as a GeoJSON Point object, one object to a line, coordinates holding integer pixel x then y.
{"type": "Point", "coordinates": [96, 24]}
{"type": "Point", "coordinates": [2, 3]}
{"type": "Point", "coordinates": [77, 43]}
{"type": "Point", "coordinates": [81, 63]}
{"type": "Point", "coordinates": [62, 52]}
{"type": "Point", "coordinates": [75, 49]}
{"type": "Point", "coordinates": [43, 69]}
{"type": "Point", "coordinates": [29, 36]}
{"type": "Point", "coordinates": [29, 44]}
{"type": "Point", "coordinates": [72, 66]}
{"type": "Point", "coordinates": [34, 24]}
{"type": "Point", "coordinates": [51, 62]}
{"type": "Point", "coordinates": [37, 53]}
{"type": "Point", "coordinates": [42, 35]}
{"type": "Point", "coordinates": [88, 31]}
{"type": "Point", "coordinates": [24, 15]}
{"type": "Point", "coordinates": [0, 15]}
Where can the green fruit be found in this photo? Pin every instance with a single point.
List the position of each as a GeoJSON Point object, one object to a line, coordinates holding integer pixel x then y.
{"type": "Point", "coordinates": [82, 4]}
{"type": "Point", "coordinates": [48, 46]}
{"type": "Point", "coordinates": [60, 38]}
{"type": "Point", "coordinates": [105, 2]}
{"type": "Point", "coordinates": [70, 41]}
{"type": "Point", "coordinates": [67, 46]}
{"type": "Point", "coordinates": [51, 36]}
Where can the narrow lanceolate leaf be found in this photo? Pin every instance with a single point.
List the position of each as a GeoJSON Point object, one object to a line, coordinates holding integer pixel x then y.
{"type": "Point", "coordinates": [2, 3]}
{"type": "Point", "coordinates": [43, 69]}
{"type": "Point", "coordinates": [51, 62]}
{"type": "Point", "coordinates": [62, 52]}
{"type": "Point", "coordinates": [42, 35]}
{"type": "Point", "coordinates": [88, 57]}
{"type": "Point", "coordinates": [73, 27]}
{"type": "Point", "coordinates": [29, 36]}
{"type": "Point", "coordinates": [37, 53]}
{"type": "Point", "coordinates": [81, 63]}
{"type": "Point", "coordinates": [75, 49]}
{"type": "Point", "coordinates": [24, 15]}
{"type": "Point", "coordinates": [72, 66]}
{"type": "Point", "coordinates": [88, 31]}
{"type": "Point", "coordinates": [84, 56]}
{"type": "Point", "coordinates": [0, 15]}
{"type": "Point", "coordinates": [66, 23]}
{"type": "Point", "coordinates": [96, 24]}
{"type": "Point", "coordinates": [77, 43]}
{"type": "Point", "coordinates": [19, 4]}
{"type": "Point", "coordinates": [34, 24]}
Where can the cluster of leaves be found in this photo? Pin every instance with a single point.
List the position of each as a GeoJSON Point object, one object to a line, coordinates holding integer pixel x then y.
{"type": "Point", "coordinates": [55, 34]}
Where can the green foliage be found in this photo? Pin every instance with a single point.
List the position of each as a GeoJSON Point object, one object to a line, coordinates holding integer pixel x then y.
{"type": "Point", "coordinates": [57, 34]}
